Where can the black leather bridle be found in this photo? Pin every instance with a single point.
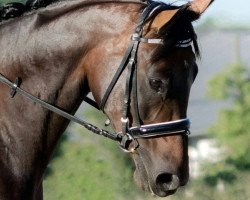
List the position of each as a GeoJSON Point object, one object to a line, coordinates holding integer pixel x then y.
{"type": "Point", "coordinates": [177, 127]}
{"type": "Point", "coordinates": [127, 138]}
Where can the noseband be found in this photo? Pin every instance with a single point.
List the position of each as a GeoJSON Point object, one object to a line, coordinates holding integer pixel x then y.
{"type": "Point", "coordinates": [128, 135]}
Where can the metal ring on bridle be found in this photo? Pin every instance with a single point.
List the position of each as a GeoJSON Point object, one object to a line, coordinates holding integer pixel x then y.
{"type": "Point", "coordinates": [126, 141]}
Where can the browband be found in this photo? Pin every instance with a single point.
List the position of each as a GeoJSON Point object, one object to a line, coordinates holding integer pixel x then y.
{"type": "Point", "coordinates": [180, 44]}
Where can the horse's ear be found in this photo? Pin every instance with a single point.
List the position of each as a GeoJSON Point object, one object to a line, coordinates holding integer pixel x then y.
{"type": "Point", "coordinates": [197, 7]}
{"type": "Point", "coordinates": [193, 11]}
{"type": "Point", "coordinates": [163, 18]}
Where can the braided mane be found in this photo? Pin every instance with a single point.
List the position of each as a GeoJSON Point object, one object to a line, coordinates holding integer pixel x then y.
{"type": "Point", "coordinates": [16, 9]}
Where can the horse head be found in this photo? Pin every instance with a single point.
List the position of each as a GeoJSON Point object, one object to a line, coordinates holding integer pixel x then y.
{"type": "Point", "coordinates": [73, 47]}
{"type": "Point", "coordinates": [166, 69]}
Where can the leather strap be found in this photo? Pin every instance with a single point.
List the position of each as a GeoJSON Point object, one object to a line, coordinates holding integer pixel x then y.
{"type": "Point", "coordinates": [137, 118]}
{"type": "Point", "coordinates": [161, 129]}
{"type": "Point", "coordinates": [94, 129]}
{"type": "Point", "coordinates": [116, 76]}
{"type": "Point", "coordinates": [147, 11]}
{"type": "Point", "coordinates": [92, 103]}
{"type": "Point", "coordinates": [129, 134]}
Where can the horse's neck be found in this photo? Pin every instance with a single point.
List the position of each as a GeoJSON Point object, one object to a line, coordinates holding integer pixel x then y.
{"type": "Point", "coordinates": [47, 48]}
{"type": "Point", "coordinates": [53, 58]}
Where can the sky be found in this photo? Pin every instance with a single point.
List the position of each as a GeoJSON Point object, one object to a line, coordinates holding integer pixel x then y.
{"type": "Point", "coordinates": [228, 11]}
{"type": "Point", "coordinates": [231, 10]}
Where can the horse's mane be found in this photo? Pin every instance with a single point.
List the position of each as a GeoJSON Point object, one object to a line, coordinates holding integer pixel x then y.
{"type": "Point", "coordinates": [178, 29]}
{"type": "Point", "coordinates": [16, 9]}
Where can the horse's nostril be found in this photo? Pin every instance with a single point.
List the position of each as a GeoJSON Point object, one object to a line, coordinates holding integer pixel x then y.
{"type": "Point", "coordinates": [164, 178]}
{"type": "Point", "coordinates": [167, 182]}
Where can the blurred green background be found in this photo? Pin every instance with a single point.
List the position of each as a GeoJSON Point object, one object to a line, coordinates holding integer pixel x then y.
{"type": "Point", "coordinates": [89, 167]}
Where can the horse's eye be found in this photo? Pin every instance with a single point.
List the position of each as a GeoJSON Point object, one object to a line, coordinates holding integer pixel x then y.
{"type": "Point", "coordinates": [156, 84]}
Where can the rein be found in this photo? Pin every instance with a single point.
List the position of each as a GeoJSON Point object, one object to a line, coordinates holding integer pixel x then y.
{"type": "Point", "coordinates": [129, 135]}
{"type": "Point", "coordinates": [16, 89]}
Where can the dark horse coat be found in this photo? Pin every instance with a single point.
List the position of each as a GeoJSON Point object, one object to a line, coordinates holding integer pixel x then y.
{"type": "Point", "coordinates": [70, 48]}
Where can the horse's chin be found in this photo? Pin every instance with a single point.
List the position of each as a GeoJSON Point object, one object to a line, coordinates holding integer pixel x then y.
{"type": "Point", "coordinates": [141, 180]}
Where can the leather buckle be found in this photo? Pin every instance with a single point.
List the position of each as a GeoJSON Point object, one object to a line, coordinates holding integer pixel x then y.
{"type": "Point", "coordinates": [15, 86]}
{"type": "Point", "coordinates": [136, 37]}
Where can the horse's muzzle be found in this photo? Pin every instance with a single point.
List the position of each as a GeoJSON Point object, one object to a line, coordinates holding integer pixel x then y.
{"type": "Point", "coordinates": [166, 184]}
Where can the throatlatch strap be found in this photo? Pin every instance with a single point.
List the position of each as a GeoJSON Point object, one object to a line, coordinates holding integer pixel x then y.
{"type": "Point", "coordinates": [92, 103]}
{"type": "Point", "coordinates": [117, 75]}
{"type": "Point", "coordinates": [152, 5]}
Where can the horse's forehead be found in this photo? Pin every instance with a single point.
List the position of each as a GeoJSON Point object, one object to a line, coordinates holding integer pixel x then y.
{"type": "Point", "coordinates": [178, 57]}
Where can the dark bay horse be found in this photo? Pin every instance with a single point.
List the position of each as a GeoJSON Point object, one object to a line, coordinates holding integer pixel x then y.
{"type": "Point", "coordinates": [67, 49]}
